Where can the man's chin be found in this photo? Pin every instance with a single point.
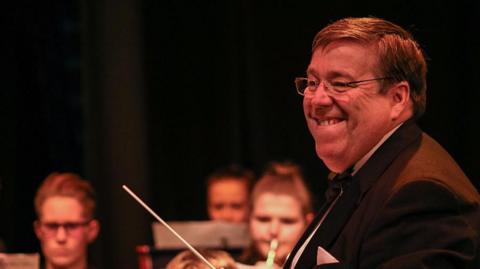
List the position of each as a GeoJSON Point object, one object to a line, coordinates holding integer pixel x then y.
{"type": "Point", "coordinates": [331, 160]}
{"type": "Point", "coordinates": [62, 261]}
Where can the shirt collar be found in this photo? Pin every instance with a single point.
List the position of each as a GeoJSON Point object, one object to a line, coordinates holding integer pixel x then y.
{"type": "Point", "coordinates": [369, 154]}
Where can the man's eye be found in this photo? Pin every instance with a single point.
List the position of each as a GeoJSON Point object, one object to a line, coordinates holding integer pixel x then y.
{"type": "Point", "coordinates": [71, 226]}
{"type": "Point", "coordinates": [219, 206]}
{"type": "Point", "coordinates": [340, 84]}
{"type": "Point", "coordinates": [52, 226]}
{"type": "Point", "coordinates": [237, 206]}
{"type": "Point", "coordinates": [312, 84]}
{"type": "Point", "coordinates": [262, 219]}
{"type": "Point", "coordinates": [289, 221]}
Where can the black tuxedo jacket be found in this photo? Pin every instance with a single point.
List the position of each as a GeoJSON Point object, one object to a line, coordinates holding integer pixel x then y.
{"type": "Point", "coordinates": [410, 206]}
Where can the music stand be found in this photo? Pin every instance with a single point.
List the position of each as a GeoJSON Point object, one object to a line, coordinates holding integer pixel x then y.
{"type": "Point", "coordinates": [19, 261]}
{"type": "Point", "coordinates": [231, 237]}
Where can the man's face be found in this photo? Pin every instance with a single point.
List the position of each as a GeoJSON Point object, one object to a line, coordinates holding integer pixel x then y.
{"type": "Point", "coordinates": [228, 200]}
{"type": "Point", "coordinates": [276, 216]}
{"type": "Point", "coordinates": [64, 232]}
{"type": "Point", "coordinates": [346, 126]}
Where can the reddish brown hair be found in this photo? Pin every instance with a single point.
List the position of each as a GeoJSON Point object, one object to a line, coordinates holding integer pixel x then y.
{"type": "Point", "coordinates": [67, 185]}
{"type": "Point", "coordinates": [284, 178]}
{"type": "Point", "coordinates": [399, 55]}
{"type": "Point", "coordinates": [187, 260]}
{"type": "Point", "coordinates": [233, 171]}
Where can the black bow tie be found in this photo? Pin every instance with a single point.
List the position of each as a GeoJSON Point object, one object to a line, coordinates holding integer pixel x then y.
{"type": "Point", "coordinates": [337, 182]}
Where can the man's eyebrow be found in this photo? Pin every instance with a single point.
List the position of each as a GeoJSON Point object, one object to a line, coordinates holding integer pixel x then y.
{"type": "Point", "coordinates": [338, 74]}
{"type": "Point", "coordinates": [330, 74]}
{"type": "Point", "coordinates": [262, 215]}
{"type": "Point", "coordinates": [311, 71]}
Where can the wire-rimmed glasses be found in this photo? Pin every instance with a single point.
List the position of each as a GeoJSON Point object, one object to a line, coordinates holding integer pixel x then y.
{"type": "Point", "coordinates": [305, 86]}
{"type": "Point", "coordinates": [50, 229]}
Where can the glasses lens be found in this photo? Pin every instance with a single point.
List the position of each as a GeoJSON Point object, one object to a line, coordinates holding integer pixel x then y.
{"type": "Point", "coordinates": [71, 228]}
{"type": "Point", "coordinates": [301, 85]}
{"type": "Point", "coordinates": [50, 228]}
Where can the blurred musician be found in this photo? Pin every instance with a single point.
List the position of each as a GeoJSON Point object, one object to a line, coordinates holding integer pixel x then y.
{"type": "Point", "coordinates": [66, 224]}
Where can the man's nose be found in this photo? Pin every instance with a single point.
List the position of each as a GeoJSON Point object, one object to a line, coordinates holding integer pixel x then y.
{"type": "Point", "coordinates": [227, 214]}
{"type": "Point", "coordinates": [274, 228]}
{"type": "Point", "coordinates": [321, 96]}
{"type": "Point", "coordinates": [61, 235]}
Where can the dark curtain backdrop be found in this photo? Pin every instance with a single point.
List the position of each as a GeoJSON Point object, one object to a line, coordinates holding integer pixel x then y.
{"type": "Point", "coordinates": [157, 94]}
{"type": "Point", "coordinates": [41, 108]}
{"type": "Point", "coordinates": [219, 83]}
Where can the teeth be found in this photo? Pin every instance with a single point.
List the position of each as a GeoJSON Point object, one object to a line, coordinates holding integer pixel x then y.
{"type": "Point", "coordinates": [328, 122]}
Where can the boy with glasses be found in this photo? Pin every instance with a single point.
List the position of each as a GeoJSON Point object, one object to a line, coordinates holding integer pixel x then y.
{"type": "Point", "coordinates": [66, 224]}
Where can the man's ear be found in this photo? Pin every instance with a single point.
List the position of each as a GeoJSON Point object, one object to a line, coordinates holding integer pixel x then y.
{"type": "Point", "coordinates": [93, 230]}
{"type": "Point", "coordinates": [399, 95]}
{"type": "Point", "coordinates": [36, 228]}
{"type": "Point", "coordinates": [309, 218]}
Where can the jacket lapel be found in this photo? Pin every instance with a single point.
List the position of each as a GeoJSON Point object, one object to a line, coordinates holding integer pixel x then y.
{"type": "Point", "coordinates": [362, 182]}
{"type": "Point", "coordinates": [338, 217]}
{"type": "Point", "coordinates": [305, 235]}
{"type": "Point", "coordinates": [407, 134]}
{"type": "Point", "coordinates": [352, 195]}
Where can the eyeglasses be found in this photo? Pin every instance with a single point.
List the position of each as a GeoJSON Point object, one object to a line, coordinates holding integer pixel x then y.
{"type": "Point", "coordinates": [305, 86]}
{"type": "Point", "coordinates": [71, 228]}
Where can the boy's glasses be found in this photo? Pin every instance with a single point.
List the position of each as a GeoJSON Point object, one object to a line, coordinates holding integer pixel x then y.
{"type": "Point", "coordinates": [71, 228]}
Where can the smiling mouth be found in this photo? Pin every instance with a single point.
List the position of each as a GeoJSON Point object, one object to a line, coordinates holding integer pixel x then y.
{"type": "Point", "coordinates": [328, 122]}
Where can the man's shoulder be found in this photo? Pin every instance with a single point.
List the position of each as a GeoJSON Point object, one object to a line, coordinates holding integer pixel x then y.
{"type": "Point", "coordinates": [432, 163]}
